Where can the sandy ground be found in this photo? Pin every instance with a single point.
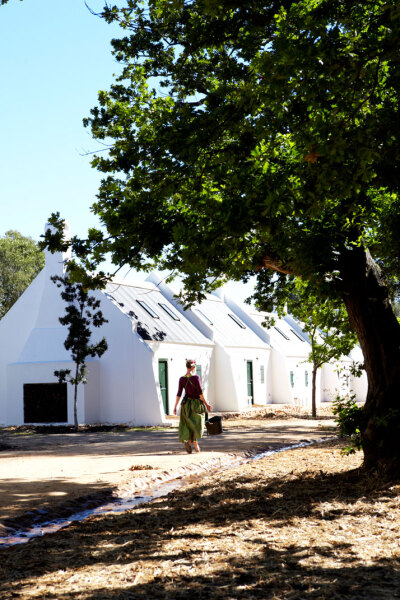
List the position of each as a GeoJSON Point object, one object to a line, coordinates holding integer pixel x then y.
{"type": "Point", "coordinates": [44, 471]}
{"type": "Point", "coordinates": [304, 524]}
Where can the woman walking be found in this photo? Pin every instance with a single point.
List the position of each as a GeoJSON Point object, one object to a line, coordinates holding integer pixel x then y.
{"type": "Point", "coordinates": [191, 422]}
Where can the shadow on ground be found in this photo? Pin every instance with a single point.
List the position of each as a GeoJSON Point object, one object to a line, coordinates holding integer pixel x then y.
{"type": "Point", "coordinates": [63, 499]}
{"type": "Point", "coordinates": [196, 528]}
{"type": "Point", "coordinates": [153, 442]}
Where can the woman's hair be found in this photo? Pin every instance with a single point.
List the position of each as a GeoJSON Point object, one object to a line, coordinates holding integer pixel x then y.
{"type": "Point", "coordinates": [190, 363]}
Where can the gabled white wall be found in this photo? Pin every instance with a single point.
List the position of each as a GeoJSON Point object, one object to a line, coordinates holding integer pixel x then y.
{"type": "Point", "coordinates": [33, 330]}
{"type": "Point", "coordinates": [227, 394]}
{"type": "Point", "coordinates": [128, 392]}
{"type": "Point", "coordinates": [15, 327]}
{"type": "Point", "coordinates": [279, 381]}
{"type": "Point", "coordinates": [262, 391]}
{"type": "Point", "coordinates": [32, 346]}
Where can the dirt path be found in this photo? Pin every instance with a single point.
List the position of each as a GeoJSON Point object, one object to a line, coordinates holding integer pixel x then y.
{"type": "Point", "coordinates": [46, 471]}
{"type": "Point", "coordinates": [298, 525]}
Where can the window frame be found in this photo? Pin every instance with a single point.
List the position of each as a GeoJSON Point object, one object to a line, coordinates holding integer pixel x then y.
{"type": "Point", "coordinates": [282, 333]}
{"type": "Point", "coordinates": [297, 335]}
{"type": "Point", "coordinates": [207, 319]}
{"type": "Point", "coordinates": [237, 320]}
{"type": "Point", "coordinates": [148, 309]}
{"type": "Point", "coordinates": [169, 311]}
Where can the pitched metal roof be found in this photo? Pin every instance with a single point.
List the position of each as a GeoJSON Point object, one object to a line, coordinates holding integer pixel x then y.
{"type": "Point", "coordinates": [155, 317]}
{"type": "Point", "coordinates": [284, 336]}
{"type": "Point", "coordinates": [229, 329]}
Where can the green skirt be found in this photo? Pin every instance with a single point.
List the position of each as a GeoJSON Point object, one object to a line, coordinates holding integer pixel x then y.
{"type": "Point", "coordinates": [191, 422]}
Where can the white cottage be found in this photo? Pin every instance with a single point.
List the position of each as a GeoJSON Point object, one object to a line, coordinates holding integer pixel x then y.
{"type": "Point", "coordinates": [149, 337]}
{"type": "Point", "coordinates": [241, 357]}
{"type": "Point", "coordinates": [164, 340]}
{"type": "Point", "coordinates": [133, 381]}
{"type": "Point", "coordinates": [336, 378]}
{"type": "Point", "coordinates": [31, 348]}
{"type": "Point", "coordinates": [290, 372]}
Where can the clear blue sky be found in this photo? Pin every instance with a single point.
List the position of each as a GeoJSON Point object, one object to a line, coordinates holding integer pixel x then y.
{"type": "Point", "coordinates": [54, 58]}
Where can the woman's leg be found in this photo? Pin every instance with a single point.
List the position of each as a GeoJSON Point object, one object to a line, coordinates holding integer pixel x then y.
{"type": "Point", "coordinates": [196, 446]}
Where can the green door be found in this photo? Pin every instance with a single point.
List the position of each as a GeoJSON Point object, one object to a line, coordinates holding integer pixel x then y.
{"type": "Point", "coordinates": [163, 379]}
{"type": "Point", "coordinates": [250, 390]}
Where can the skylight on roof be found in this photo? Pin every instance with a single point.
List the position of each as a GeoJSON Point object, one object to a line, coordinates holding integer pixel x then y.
{"type": "Point", "coordinates": [148, 309]}
{"type": "Point", "coordinates": [204, 316]}
{"type": "Point", "coordinates": [297, 335]}
{"type": "Point", "coordinates": [281, 332]}
{"type": "Point", "coordinates": [237, 320]}
{"type": "Point", "coordinates": [168, 310]}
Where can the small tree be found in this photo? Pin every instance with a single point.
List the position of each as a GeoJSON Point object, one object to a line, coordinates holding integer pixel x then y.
{"type": "Point", "coordinates": [327, 325]}
{"type": "Point", "coordinates": [81, 314]}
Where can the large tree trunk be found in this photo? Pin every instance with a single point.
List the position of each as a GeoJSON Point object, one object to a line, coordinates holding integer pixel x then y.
{"type": "Point", "coordinates": [371, 315]}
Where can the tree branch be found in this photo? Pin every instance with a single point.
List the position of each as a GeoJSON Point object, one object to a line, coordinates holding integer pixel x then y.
{"type": "Point", "coordinates": [273, 263]}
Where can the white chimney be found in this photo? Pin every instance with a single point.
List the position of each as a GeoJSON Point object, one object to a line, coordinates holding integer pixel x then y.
{"type": "Point", "coordinates": [55, 263]}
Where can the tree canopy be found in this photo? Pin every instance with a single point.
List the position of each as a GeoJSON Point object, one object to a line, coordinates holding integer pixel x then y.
{"type": "Point", "coordinates": [251, 134]}
{"type": "Point", "coordinates": [261, 138]}
{"type": "Point", "coordinates": [20, 262]}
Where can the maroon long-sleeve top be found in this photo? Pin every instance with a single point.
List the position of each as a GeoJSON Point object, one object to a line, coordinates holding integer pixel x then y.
{"type": "Point", "coordinates": [191, 385]}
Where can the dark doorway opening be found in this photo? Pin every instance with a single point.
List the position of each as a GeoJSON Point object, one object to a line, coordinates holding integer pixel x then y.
{"type": "Point", "coordinates": [45, 403]}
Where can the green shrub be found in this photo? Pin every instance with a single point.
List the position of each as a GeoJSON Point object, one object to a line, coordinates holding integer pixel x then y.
{"type": "Point", "coordinates": [348, 417]}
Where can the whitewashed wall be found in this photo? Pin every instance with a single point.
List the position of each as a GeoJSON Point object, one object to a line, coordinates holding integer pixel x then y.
{"type": "Point", "coordinates": [227, 393]}
{"type": "Point", "coordinates": [279, 379]}
{"type": "Point", "coordinates": [231, 377]}
{"type": "Point", "coordinates": [15, 327]}
{"type": "Point", "coordinates": [127, 385]}
{"type": "Point", "coordinates": [21, 373]}
{"type": "Point", "coordinates": [176, 356]}
{"type": "Point", "coordinates": [359, 385]}
{"type": "Point", "coordinates": [301, 393]}
{"type": "Point", "coordinates": [30, 333]}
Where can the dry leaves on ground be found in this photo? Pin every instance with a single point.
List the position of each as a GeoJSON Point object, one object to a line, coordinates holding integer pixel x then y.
{"type": "Point", "coordinates": [296, 525]}
{"type": "Point", "coordinates": [141, 468]}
